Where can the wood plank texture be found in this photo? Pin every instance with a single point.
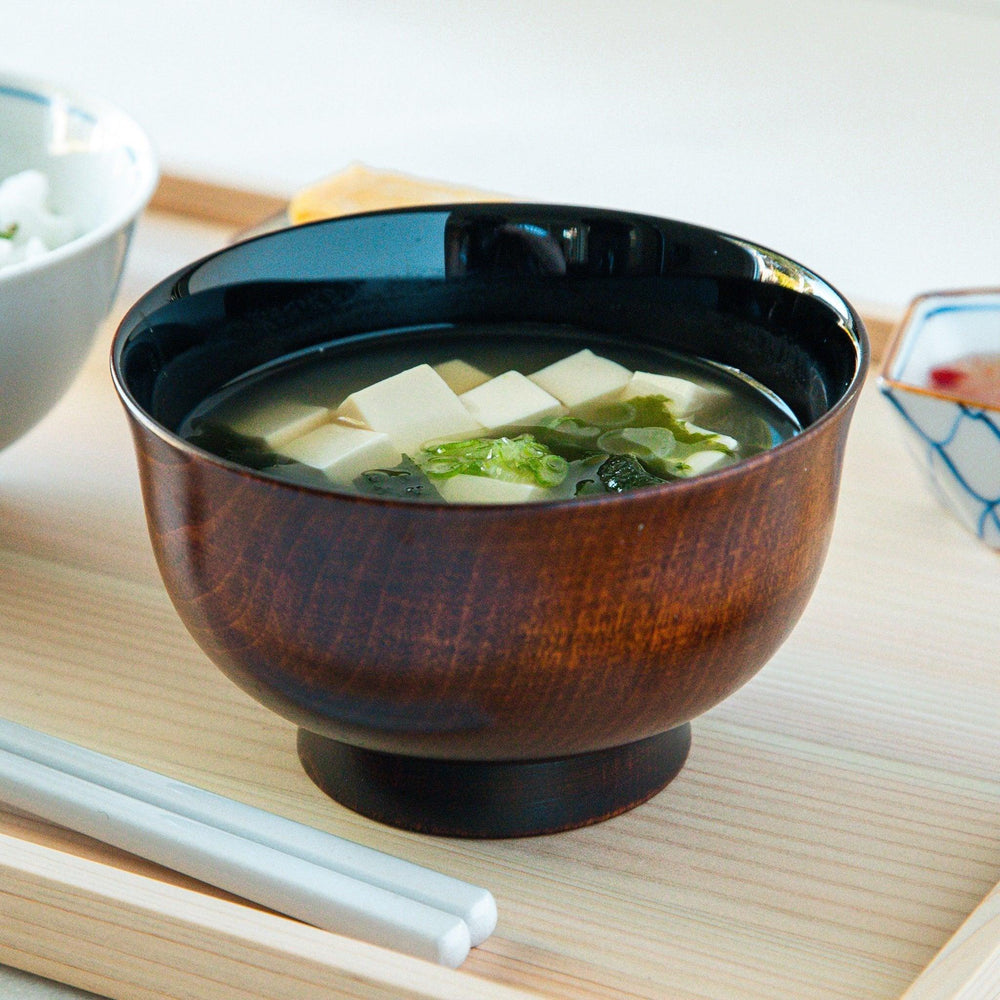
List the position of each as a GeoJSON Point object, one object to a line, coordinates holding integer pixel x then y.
{"type": "Point", "coordinates": [138, 936]}
{"type": "Point", "coordinates": [835, 827]}
{"type": "Point", "coordinates": [968, 967]}
{"type": "Point", "coordinates": [209, 201]}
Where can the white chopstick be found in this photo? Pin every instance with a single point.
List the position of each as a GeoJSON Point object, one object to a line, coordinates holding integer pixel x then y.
{"type": "Point", "coordinates": [316, 895]}
{"type": "Point", "coordinates": [255, 854]}
{"type": "Point", "coordinates": [474, 905]}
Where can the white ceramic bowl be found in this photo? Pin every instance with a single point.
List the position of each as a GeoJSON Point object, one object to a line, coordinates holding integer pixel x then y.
{"type": "Point", "coordinates": [955, 439]}
{"type": "Point", "coordinates": [102, 172]}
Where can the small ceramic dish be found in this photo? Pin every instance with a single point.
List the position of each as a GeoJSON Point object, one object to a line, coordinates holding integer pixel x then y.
{"type": "Point", "coordinates": [951, 428]}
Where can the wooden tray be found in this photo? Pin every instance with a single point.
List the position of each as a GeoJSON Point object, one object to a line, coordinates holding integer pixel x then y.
{"type": "Point", "coordinates": [835, 833]}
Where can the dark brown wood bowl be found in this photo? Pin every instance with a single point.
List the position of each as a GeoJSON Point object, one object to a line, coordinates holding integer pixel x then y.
{"type": "Point", "coordinates": [491, 670]}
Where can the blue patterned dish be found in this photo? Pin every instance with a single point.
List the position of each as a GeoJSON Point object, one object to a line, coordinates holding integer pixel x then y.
{"type": "Point", "coordinates": [956, 440]}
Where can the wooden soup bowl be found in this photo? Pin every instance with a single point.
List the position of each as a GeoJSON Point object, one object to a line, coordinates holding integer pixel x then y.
{"type": "Point", "coordinates": [491, 670]}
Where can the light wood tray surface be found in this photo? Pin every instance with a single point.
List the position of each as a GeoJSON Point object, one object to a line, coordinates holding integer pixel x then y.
{"type": "Point", "coordinates": [837, 825]}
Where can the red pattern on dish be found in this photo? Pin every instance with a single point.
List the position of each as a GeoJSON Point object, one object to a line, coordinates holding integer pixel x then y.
{"type": "Point", "coordinates": [975, 378]}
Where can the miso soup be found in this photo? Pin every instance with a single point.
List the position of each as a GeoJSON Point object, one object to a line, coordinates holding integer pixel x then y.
{"type": "Point", "coordinates": [489, 414]}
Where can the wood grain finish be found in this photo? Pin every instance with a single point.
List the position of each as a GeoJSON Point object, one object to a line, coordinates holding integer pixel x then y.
{"type": "Point", "coordinates": [141, 939]}
{"type": "Point", "coordinates": [507, 634]}
{"type": "Point", "coordinates": [491, 634]}
{"type": "Point", "coordinates": [968, 967]}
{"type": "Point", "coordinates": [208, 201]}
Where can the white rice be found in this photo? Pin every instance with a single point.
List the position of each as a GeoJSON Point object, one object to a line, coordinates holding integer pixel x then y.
{"type": "Point", "coordinates": [28, 228]}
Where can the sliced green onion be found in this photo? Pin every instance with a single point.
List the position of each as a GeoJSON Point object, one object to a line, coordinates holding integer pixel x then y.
{"type": "Point", "coordinates": [521, 459]}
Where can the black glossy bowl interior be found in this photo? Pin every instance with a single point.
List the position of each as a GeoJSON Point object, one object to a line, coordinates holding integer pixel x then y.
{"type": "Point", "coordinates": [667, 284]}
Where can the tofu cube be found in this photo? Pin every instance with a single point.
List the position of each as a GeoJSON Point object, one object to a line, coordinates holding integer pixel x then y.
{"type": "Point", "coordinates": [508, 400]}
{"type": "Point", "coordinates": [412, 408]}
{"type": "Point", "coordinates": [581, 378]}
{"type": "Point", "coordinates": [343, 452]}
{"type": "Point", "coordinates": [730, 442]}
{"type": "Point", "coordinates": [685, 396]}
{"type": "Point", "coordinates": [705, 461]}
{"type": "Point", "coordinates": [279, 422]}
{"type": "Point", "coordinates": [460, 376]}
{"type": "Point", "coordinates": [483, 489]}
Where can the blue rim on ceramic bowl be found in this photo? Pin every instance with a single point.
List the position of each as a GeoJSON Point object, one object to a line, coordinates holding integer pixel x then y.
{"type": "Point", "coordinates": [955, 439]}
{"type": "Point", "coordinates": [116, 126]}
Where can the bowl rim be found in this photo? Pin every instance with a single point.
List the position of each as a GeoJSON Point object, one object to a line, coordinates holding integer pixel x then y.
{"type": "Point", "coordinates": [133, 138]}
{"type": "Point", "coordinates": [166, 287]}
{"type": "Point", "coordinates": [913, 319]}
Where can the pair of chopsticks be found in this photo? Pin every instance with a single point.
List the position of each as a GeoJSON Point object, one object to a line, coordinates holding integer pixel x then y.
{"type": "Point", "coordinates": [332, 883]}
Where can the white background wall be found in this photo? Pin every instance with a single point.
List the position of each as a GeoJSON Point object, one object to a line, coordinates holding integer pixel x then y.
{"type": "Point", "coordinates": [861, 137]}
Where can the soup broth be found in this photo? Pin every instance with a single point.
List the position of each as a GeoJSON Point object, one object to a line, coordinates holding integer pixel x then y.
{"type": "Point", "coordinates": [489, 414]}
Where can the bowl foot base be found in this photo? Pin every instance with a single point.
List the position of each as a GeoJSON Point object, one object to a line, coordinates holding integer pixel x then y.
{"type": "Point", "coordinates": [494, 798]}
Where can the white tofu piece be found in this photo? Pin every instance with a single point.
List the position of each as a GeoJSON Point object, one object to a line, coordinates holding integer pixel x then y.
{"type": "Point", "coordinates": [509, 399]}
{"type": "Point", "coordinates": [730, 442]}
{"type": "Point", "coordinates": [412, 408]}
{"type": "Point", "coordinates": [685, 396]}
{"type": "Point", "coordinates": [584, 377]}
{"type": "Point", "coordinates": [343, 452]}
{"type": "Point", "coordinates": [705, 461]}
{"type": "Point", "coordinates": [278, 422]}
{"type": "Point", "coordinates": [460, 375]}
{"type": "Point", "coordinates": [483, 489]}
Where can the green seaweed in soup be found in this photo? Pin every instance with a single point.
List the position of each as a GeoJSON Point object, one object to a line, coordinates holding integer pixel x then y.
{"type": "Point", "coordinates": [490, 420]}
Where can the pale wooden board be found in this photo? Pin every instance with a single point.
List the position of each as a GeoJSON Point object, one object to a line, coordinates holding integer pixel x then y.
{"type": "Point", "coordinates": [208, 201]}
{"type": "Point", "coordinates": [132, 931]}
{"type": "Point", "coordinates": [836, 825]}
{"type": "Point", "coordinates": [968, 967]}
